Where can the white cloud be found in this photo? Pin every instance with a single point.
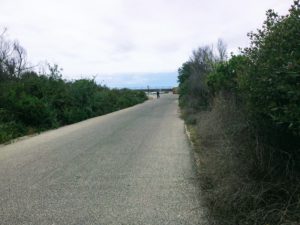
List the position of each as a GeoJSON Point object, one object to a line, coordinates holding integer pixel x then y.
{"type": "Point", "coordinates": [128, 36]}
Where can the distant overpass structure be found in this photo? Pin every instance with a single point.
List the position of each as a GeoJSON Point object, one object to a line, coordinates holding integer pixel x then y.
{"type": "Point", "coordinates": [153, 88]}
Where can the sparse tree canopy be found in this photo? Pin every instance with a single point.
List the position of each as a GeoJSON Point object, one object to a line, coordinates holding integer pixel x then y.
{"type": "Point", "coordinates": [13, 58]}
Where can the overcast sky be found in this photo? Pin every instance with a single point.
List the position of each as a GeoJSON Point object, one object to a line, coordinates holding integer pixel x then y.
{"type": "Point", "coordinates": [129, 43]}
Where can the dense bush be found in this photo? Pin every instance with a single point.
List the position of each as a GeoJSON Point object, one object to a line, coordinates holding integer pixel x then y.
{"type": "Point", "coordinates": [226, 75]}
{"type": "Point", "coordinates": [250, 135]}
{"type": "Point", "coordinates": [31, 102]}
{"type": "Point", "coordinates": [40, 102]}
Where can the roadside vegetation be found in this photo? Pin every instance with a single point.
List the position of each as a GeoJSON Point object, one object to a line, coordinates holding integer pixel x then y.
{"type": "Point", "coordinates": [31, 102]}
{"type": "Point", "coordinates": [245, 113]}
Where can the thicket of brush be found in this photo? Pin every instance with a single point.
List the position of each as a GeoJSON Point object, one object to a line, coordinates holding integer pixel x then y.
{"type": "Point", "coordinates": [246, 111]}
{"type": "Point", "coordinates": [32, 102]}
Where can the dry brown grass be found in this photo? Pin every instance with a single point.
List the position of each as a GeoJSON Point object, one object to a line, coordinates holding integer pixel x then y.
{"type": "Point", "coordinates": [239, 187]}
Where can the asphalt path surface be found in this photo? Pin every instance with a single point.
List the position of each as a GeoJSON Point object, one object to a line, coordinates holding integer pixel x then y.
{"type": "Point", "coordinates": [129, 167]}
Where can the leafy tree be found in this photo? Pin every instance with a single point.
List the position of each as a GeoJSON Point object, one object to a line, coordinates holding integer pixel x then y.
{"type": "Point", "coordinates": [193, 92]}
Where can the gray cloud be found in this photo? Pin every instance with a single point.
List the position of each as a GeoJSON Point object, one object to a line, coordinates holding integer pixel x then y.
{"type": "Point", "coordinates": [128, 36]}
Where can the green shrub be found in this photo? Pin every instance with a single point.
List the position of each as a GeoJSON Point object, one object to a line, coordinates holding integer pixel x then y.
{"type": "Point", "coordinates": [271, 86]}
{"type": "Point", "coordinates": [226, 75]}
{"type": "Point", "coordinates": [11, 130]}
{"type": "Point", "coordinates": [41, 102]}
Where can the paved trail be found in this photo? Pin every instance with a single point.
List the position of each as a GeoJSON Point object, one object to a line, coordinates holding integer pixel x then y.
{"type": "Point", "coordinates": [130, 167]}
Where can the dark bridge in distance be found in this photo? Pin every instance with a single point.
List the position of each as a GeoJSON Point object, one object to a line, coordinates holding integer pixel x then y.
{"type": "Point", "coordinates": [154, 89]}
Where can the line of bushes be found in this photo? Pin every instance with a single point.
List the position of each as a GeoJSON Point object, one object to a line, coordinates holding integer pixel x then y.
{"type": "Point", "coordinates": [31, 102]}
{"type": "Point", "coordinates": [246, 113]}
